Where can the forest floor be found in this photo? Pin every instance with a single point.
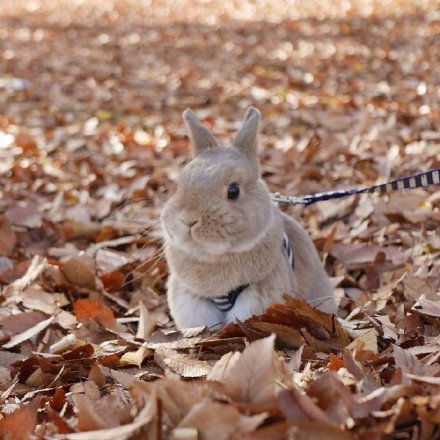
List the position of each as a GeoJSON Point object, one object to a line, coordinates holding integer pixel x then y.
{"type": "Point", "coordinates": [91, 139]}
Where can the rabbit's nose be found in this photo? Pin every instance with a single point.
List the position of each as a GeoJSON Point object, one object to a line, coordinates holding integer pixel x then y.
{"type": "Point", "coordinates": [190, 221]}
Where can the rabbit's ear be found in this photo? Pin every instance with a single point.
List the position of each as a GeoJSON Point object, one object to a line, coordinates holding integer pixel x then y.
{"type": "Point", "coordinates": [246, 138]}
{"type": "Point", "coordinates": [200, 136]}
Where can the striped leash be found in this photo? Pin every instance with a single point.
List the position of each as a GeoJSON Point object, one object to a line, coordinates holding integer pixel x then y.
{"type": "Point", "coordinates": [421, 180]}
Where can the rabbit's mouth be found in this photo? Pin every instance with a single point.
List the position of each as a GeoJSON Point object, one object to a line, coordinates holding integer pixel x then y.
{"type": "Point", "coordinates": [192, 242]}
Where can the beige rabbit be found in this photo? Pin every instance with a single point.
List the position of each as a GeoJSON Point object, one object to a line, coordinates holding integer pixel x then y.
{"type": "Point", "coordinates": [231, 252]}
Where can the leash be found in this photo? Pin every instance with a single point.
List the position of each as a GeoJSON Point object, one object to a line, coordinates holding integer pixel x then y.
{"type": "Point", "coordinates": [421, 180]}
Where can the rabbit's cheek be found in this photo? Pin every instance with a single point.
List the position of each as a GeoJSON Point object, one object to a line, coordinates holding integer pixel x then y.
{"type": "Point", "coordinates": [168, 233]}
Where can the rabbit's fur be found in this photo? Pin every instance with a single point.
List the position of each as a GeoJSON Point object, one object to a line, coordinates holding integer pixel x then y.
{"type": "Point", "coordinates": [214, 244]}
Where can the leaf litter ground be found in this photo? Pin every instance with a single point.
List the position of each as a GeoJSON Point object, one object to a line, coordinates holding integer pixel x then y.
{"type": "Point", "coordinates": [91, 140]}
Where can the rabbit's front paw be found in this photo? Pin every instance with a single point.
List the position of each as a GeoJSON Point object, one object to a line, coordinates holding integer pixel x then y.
{"type": "Point", "coordinates": [189, 310]}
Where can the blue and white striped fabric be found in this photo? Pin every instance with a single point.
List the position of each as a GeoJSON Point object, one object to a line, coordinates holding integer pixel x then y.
{"type": "Point", "coordinates": [288, 251]}
{"type": "Point", "coordinates": [421, 180]}
{"type": "Point", "coordinates": [227, 302]}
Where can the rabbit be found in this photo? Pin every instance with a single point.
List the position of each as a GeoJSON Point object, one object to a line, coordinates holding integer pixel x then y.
{"type": "Point", "coordinates": [231, 252]}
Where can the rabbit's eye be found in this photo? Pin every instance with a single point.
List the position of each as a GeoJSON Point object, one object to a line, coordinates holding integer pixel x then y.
{"type": "Point", "coordinates": [233, 191]}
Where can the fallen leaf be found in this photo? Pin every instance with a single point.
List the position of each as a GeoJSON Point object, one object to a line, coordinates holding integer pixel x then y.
{"type": "Point", "coordinates": [21, 322]}
{"type": "Point", "coordinates": [428, 307]}
{"type": "Point", "coordinates": [304, 323]}
{"type": "Point", "coordinates": [335, 363]}
{"type": "Point", "coordinates": [37, 299]}
{"type": "Point", "coordinates": [298, 406]}
{"type": "Point", "coordinates": [63, 344]}
{"type": "Point", "coordinates": [146, 323]}
{"type": "Point", "coordinates": [216, 421]}
{"type": "Point", "coordinates": [29, 333]}
{"type": "Point", "coordinates": [220, 368]}
{"type": "Point", "coordinates": [92, 311]}
{"type": "Point", "coordinates": [306, 430]}
{"type": "Point", "coordinates": [25, 214]}
{"type": "Point", "coordinates": [38, 264]}
{"type": "Point", "coordinates": [180, 363]}
{"type": "Point", "coordinates": [21, 423]}
{"type": "Point", "coordinates": [7, 237]}
{"type": "Point", "coordinates": [113, 281]}
{"type": "Point", "coordinates": [123, 432]}
{"type": "Point", "coordinates": [252, 374]}
{"type": "Point", "coordinates": [368, 341]}
{"type": "Point", "coordinates": [184, 434]}
{"type": "Point", "coordinates": [80, 271]}
{"type": "Point", "coordinates": [135, 357]}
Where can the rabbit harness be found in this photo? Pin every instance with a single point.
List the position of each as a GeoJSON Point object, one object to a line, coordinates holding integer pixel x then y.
{"type": "Point", "coordinates": [226, 302]}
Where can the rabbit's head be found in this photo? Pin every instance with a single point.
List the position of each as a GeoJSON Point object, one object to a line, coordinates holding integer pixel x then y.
{"type": "Point", "coordinates": [221, 205]}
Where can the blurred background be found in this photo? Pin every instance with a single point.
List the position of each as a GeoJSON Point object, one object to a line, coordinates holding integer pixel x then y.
{"type": "Point", "coordinates": [91, 95]}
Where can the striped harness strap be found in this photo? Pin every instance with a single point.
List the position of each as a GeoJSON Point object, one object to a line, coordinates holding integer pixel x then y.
{"type": "Point", "coordinates": [227, 302]}
{"type": "Point", "coordinates": [288, 251]}
{"type": "Point", "coordinates": [421, 180]}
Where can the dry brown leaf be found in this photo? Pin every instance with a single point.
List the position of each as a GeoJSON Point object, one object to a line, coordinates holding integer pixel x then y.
{"type": "Point", "coordinates": [25, 214]}
{"type": "Point", "coordinates": [180, 363]}
{"type": "Point", "coordinates": [80, 271]}
{"type": "Point", "coordinates": [298, 406]}
{"type": "Point", "coordinates": [88, 419]}
{"type": "Point", "coordinates": [113, 281]}
{"type": "Point", "coordinates": [409, 363]}
{"type": "Point", "coordinates": [368, 341]}
{"type": "Point", "coordinates": [427, 307]}
{"type": "Point", "coordinates": [389, 329]}
{"type": "Point", "coordinates": [135, 357]}
{"type": "Point", "coordinates": [174, 339]}
{"type": "Point", "coordinates": [252, 374]}
{"type": "Point", "coordinates": [108, 261]}
{"type": "Point", "coordinates": [89, 389]}
{"type": "Point", "coordinates": [333, 397]}
{"type": "Point", "coordinates": [21, 423]}
{"type": "Point", "coordinates": [184, 434]}
{"type": "Point", "coordinates": [146, 323]}
{"type": "Point", "coordinates": [353, 254]}
{"type": "Point", "coordinates": [62, 427]}
{"type": "Point", "coordinates": [21, 322]}
{"type": "Point", "coordinates": [375, 400]}
{"type": "Point", "coordinates": [216, 421]}
{"type": "Point", "coordinates": [222, 365]}
{"type": "Point", "coordinates": [76, 229]}
{"type": "Point", "coordinates": [287, 335]}
{"type": "Point", "coordinates": [424, 379]}
{"type": "Point", "coordinates": [66, 320]}
{"type": "Point", "coordinates": [192, 332]}
{"type": "Point", "coordinates": [121, 378]}
{"type": "Point", "coordinates": [335, 363]}
{"type": "Point", "coordinates": [38, 299]}
{"type": "Point", "coordinates": [123, 432]}
{"type": "Point", "coordinates": [322, 331]}
{"type": "Point", "coordinates": [307, 430]}
{"type": "Point", "coordinates": [64, 344]}
{"type": "Point", "coordinates": [93, 311]}
{"type": "Point", "coordinates": [7, 237]}
{"type": "Point", "coordinates": [38, 264]}
{"type": "Point", "coordinates": [29, 333]}
{"type": "Point", "coordinates": [176, 396]}
{"type": "Point", "coordinates": [97, 376]}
